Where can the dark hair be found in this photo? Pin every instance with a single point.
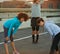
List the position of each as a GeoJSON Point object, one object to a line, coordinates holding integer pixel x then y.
{"type": "Point", "coordinates": [34, 1]}
{"type": "Point", "coordinates": [39, 20]}
{"type": "Point", "coordinates": [23, 15]}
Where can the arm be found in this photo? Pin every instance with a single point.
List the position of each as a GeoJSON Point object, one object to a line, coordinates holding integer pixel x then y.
{"type": "Point", "coordinates": [49, 30]}
{"type": "Point", "coordinates": [10, 29]}
{"type": "Point", "coordinates": [15, 29]}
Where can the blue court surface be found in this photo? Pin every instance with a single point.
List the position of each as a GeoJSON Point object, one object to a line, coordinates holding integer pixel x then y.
{"type": "Point", "coordinates": [24, 45]}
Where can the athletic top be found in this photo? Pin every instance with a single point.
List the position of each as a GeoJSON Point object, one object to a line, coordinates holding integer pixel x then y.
{"type": "Point", "coordinates": [12, 24]}
{"type": "Point", "coordinates": [36, 10]}
{"type": "Point", "coordinates": [52, 28]}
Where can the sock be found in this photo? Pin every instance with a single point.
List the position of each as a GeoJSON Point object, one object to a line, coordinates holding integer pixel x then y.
{"type": "Point", "coordinates": [37, 37]}
{"type": "Point", "coordinates": [33, 37]}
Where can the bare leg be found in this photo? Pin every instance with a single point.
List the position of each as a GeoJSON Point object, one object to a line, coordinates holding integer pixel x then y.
{"type": "Point", "coordinates": [14, 49]}
{"type": "Point", "coordinates": [6, 46]}
{"type": "Point", "coordinates": [13, 46]}
{"type": "Point", "coordinates": [37, 32]}
{"type": "Point", "coordinates": [57, 52]}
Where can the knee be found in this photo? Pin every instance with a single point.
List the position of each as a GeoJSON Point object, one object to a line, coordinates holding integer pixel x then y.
{"type": "Point", "coordinates": [37, 32]}
{"type": "Point", "coordinates": [33, 32]}
{"type": "Point", "coordinates": [11, 39]}
{"type": "Point", "coordinates": [6, 40]}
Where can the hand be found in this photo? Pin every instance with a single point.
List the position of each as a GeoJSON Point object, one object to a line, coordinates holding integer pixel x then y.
{"type": "Point", "coordinates": [7, 38]}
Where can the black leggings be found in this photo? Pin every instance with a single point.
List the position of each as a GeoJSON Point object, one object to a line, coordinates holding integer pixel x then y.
{"type": "Point", "coordinates": [55, 43]}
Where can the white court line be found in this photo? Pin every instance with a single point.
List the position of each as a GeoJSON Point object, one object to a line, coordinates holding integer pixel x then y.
{"type": "Point", "coordinates": [24, 37]}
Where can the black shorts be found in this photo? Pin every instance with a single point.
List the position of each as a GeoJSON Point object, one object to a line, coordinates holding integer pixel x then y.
{"type": "Point", "coordinates": [34, 23]}
{"type": "Point", "coordinates": [6, 34]}
{"type": "Point", "coordinates": [55, 43]}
